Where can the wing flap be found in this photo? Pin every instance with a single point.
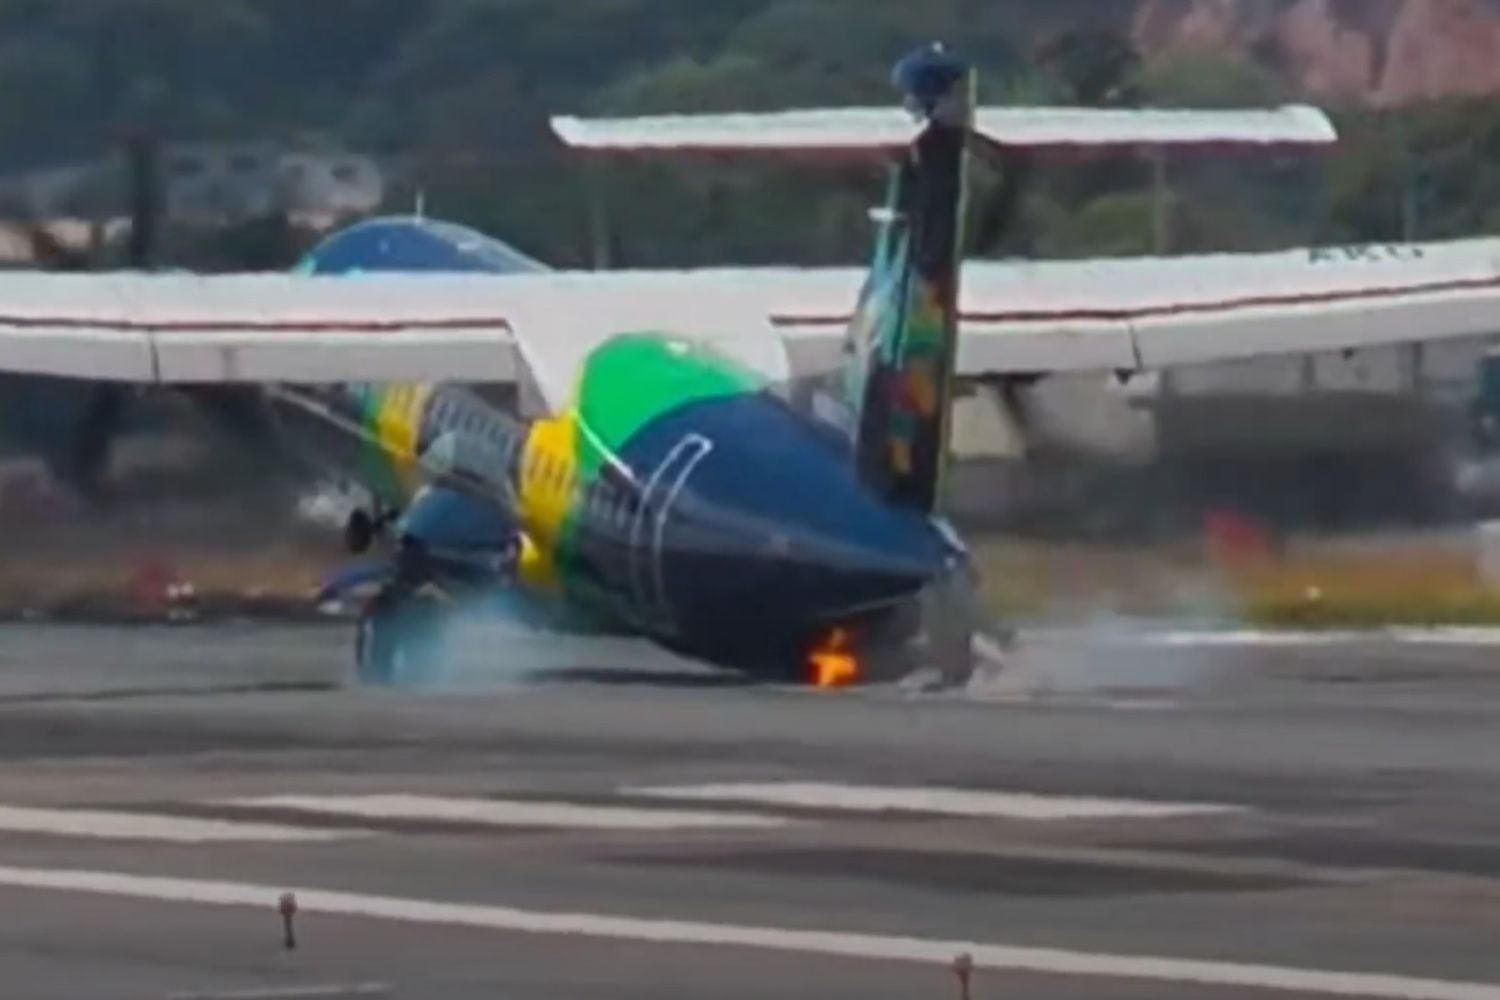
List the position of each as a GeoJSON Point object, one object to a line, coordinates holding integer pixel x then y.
{"type": "Point", "coordinates": [73, 352]}
{"type": "Point", "coordinates": [1165, 341]}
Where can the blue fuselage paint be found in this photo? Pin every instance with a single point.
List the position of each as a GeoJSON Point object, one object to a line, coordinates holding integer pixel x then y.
{"type": "Point", "coordinates": [732, 528]}
{"type": "Point", "coordinates": [410, 243]}
{"type": "Point", "coordinates": [756, 539]}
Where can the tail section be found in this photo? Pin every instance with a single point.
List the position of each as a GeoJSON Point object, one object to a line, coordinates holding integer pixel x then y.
{"type": "Point", "coordinates": [899, 350]}
{"type": "Point", "coordinates": [900, 347]}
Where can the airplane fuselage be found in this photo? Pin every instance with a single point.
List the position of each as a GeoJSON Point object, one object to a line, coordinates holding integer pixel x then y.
{"type": "Point", "coordinates": [677, 497]}
{"type": "Point", "coordinates": [725, 525]}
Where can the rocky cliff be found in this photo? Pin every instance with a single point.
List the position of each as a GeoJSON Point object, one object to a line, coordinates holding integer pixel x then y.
{"type": "Point", "coordinates": [1379, 52]}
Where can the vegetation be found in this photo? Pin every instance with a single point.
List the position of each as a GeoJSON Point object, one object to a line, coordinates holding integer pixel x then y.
{"type": "Point", "coordinates": [457, 93]}
{"type": "Point", "coordinates": [1308, 584]}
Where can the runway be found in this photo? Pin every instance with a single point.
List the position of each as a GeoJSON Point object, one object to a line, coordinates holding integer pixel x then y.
{"type": "Point", "coordinates": [1127, 813]}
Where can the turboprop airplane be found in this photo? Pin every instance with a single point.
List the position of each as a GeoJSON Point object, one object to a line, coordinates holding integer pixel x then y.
{"type": "Point", "coordinates": [672, 490]}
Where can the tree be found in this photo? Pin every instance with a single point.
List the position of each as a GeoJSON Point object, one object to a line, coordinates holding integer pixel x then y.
{"type": "Point", "coordinates": [1201, 78]}
{"type": "Point", "coordinates": [1092, 67]}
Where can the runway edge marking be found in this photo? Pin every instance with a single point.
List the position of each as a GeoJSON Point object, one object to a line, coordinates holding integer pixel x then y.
{"type": "Point", "coordinates": [99, 824]}
{"type": "Point", "coordinates": [685, 932]}
{"type": "Point", "coordinates": [972, 803]}
{"type": "Point", "coordinates": [510, 812]}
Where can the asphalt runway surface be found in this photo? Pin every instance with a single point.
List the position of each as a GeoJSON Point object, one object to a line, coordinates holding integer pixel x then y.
{"type": "Point", "coordinates": [1120, 814]}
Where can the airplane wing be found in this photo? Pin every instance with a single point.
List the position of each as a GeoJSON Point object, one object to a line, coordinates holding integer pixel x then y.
{"type": "Point", "coordinates": [1016, 317]}
{"type": "Point", "coordinates": [1137, 314]}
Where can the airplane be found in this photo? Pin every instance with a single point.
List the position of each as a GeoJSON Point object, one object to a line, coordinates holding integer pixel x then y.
{"type": "Point", "coordinates": [672, 489]}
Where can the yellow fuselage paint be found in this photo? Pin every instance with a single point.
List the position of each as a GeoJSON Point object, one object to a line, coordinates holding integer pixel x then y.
{"type": "Point", "coordinates": [547, 475]}
{"type": "Point", "coordinates": [397, 429]}
{"type": "Point", "coordinates": [549, 470]}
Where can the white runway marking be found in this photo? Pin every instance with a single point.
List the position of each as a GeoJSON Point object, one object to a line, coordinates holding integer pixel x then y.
{"type": "Point", "coordinates": [335, 992]}
{"type": "Point", "coordinates": [942, 801]}
{"type": "Point", "coordinates": [1436, 636]}
{"type": "Point", "coordinates": [511, 813]}
{"type": "Point", "coordinates": [1054, 961]}
{"type": "Point", "coordinates": [142, 826]}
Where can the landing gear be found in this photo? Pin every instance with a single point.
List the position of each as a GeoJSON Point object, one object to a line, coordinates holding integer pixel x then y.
{"type": "Point", "coordinates": [398, 634]}
{"type": "Point", "coordinates": [359, 531]}
{"type": "Point", "coordinates": [400, 629]}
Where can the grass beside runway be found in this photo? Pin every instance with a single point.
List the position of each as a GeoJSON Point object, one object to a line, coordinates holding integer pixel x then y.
{"type": "Point", "coordinates": [274, 581]}
{"type": "Point", "coordinates": [1303, 584]}
{"type": "Point", "coordinates": [1430, 580]}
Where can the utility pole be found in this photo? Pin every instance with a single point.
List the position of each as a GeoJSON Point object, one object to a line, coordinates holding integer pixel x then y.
{"type": "Point", "coordinates": [598, 209]}
{"type": "Point", "coordinates": [1160, 201]}
{"type": "Point", "coordinates": [141, 154]}
{"type": "Point", "coordinates": [1408, 178]}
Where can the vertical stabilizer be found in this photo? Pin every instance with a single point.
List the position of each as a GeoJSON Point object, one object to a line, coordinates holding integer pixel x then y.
{"type": "Point", "coordinates": [899, 350]}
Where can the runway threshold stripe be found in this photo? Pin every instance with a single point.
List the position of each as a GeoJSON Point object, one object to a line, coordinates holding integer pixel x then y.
{"type": "Point", "coordinates": [685, 932]}
{"type": "Point", "coordinates": [108, 825]}
{"type": "Point", "coordinates": [511, 812]}
{"type": "Point", "coordinates": [939, 801]}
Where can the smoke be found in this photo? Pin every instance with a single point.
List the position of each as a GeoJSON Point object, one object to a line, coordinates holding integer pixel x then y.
{"type": "Point", "coordinates": [506, 642]}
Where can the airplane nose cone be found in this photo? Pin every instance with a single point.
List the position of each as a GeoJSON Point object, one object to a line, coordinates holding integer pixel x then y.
{"type": "Point", "coordinates": [869, 555]}
{"type": "Point", "coordinates": [774, 529]}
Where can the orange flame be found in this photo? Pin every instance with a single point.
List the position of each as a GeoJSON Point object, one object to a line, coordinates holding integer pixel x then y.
{"type": "Point", "coordinates": [833, 663]}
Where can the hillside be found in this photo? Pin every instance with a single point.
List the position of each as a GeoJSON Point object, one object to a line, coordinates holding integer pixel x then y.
{"type": "Point", "coordinates": [454, 95]}
{"type": "Point", "coordinates": [1376, 52]}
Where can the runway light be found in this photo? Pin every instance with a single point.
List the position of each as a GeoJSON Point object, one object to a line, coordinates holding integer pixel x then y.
{"type": "Point", "coordinates": [287, 907]}
{"type": "Point", "coordinates": [963, 968]}
{"type": "Point", "coordinates": [833, 663]}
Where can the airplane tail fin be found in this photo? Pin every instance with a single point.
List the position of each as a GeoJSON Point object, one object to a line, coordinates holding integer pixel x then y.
{"type": "Point", "coordinates": [899, 349]}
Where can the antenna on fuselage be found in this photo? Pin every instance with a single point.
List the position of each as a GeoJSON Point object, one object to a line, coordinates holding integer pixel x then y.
{"type": "Point", "coordinates": [420, 208]}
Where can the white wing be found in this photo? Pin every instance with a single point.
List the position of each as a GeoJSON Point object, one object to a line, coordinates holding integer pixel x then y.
{"type": "Point", "coordinates": [1152, 313]}
{"type": "Point", "coordinates": [175, 329]}
{"type": "Point", "coordinates": [1023, 317]}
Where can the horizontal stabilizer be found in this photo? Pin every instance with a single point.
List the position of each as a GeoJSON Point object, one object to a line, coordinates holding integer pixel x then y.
{"type": "Point", "coordinates": [871, 130]}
